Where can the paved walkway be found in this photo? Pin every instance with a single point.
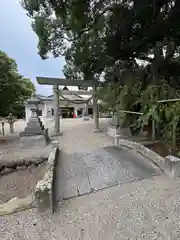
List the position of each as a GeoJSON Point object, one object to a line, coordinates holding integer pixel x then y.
{"type": "Point", "coordinates": [89, 162]}
{"type": "Point", "coordinates": [85, 172]}
{"type": "Point", "coordinates": [146, 209]}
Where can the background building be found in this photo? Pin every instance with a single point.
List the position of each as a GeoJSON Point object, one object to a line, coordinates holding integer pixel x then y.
{"type": "Point", "coordinates": [69, 104]}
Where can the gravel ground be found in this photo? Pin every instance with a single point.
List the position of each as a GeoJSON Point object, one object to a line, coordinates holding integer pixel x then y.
{"type": "Point", "coordinates": [80, 137]}
{"type": "Point", "coordinates": [23, 182]}
{"type": "Point", "coordinates": [12, 152]}
{"type": "Point", "coordinates": [147, 209]}
{"type": "Point", "coordinates": [20, 183]}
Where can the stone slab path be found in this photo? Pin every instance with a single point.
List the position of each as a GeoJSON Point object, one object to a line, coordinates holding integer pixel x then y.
{"type": "Point", "coordinates": [84, 169]}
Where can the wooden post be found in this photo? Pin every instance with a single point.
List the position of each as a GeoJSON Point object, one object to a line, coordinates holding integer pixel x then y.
{"type": "Point", "coordinates": [153, 130]}
{"type": "Point", "coordinates": [95, 110]}
{"type": "Point", "coordinates": [174, 137]}
{"type": "Point", "coordinates": [3, 128]}
{"type": "Point", "coordinates": [56, 109]}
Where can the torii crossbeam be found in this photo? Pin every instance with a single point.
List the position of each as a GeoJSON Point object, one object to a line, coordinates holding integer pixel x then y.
{"type": "Point", "coordinates": [67, 82]}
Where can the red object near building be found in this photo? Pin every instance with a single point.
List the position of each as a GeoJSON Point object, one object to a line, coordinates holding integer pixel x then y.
{"type": "Point", "coordinates": [74, 115]}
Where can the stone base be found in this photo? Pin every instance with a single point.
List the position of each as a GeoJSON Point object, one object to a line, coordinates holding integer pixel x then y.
{"type": "Point", "coordinates": [34, 127]}
{"type": "Point", "coordinates": [86, 118]}
{"type": "Point", "coordinates": [56, 134]}
{"type": "Point", "coordinates": [32, 141]}
{"type": "Point", "coordinates": [96, 130]}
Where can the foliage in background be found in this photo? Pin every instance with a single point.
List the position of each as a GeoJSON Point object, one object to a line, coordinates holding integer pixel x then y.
{"type": "Point", "coordinates": [96, 35]}
{"type": "Point", "coordinates": [134, 45]}
{"type": "Point", "coordinates": [14, 89]}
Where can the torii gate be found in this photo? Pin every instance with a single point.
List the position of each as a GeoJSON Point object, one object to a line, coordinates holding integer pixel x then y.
{"type": "Point", "coordinates": [66, 82]}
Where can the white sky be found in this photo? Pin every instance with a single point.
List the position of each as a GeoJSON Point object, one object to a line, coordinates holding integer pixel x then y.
{"type": "Point", "coordinates": [19, 41]}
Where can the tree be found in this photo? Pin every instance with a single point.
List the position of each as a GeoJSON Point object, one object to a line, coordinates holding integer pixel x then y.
{"type": "Point", "coordinates": [14, 89]}
{"type": "Point", "coordinates": [113, 37]}
{"type": "Point", "coordinates": [60, 35]}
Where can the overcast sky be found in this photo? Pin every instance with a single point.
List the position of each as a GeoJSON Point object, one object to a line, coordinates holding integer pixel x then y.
{"type": "Point", "coordinates": [20, 43]}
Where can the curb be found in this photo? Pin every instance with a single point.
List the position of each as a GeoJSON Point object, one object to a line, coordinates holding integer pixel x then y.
{"type": "Point", "coordinates": [169, 164]}
{"type": "Point", "coordinates": [151, 155]}
{"type": "Point", "coordinates": [44, 191]}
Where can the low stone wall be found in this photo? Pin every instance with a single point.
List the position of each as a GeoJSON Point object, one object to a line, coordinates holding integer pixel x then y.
{"type": "Point", "coordinates": [153, 156]}
{"type": "Point", "coordinates": [170, 164]}
{"type": "Point", "coordinates": [44, 192]}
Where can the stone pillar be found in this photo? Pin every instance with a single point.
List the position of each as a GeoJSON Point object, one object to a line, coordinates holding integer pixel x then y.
{"type": "Point", "coordinates": [26, 112]}
{"type": "Point", "coordinates": [85, 113]}
{"type": "Point", "coordinates": [56, 109]}
{"type": "Point", "coordinates": [86, 109]}
{"type": "Point", "coordinates": [95, 110]}
{"type": "Point", "coordinates": [44, 114]}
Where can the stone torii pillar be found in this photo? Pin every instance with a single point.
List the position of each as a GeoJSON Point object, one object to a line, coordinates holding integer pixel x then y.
{"type": "Point", "coordinates": [95, 110]}
{"type": "Point", "coordinates": [85, 113]}
{"type": "Point", "coordinates": [56, 109]}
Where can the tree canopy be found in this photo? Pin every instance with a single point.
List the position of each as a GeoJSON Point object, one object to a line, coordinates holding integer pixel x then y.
{"type": "Point", "coordinates": [14, 88]}
{"type": "Point", "coordinates": [95, 35]}
{"type": "Point", "coordinates": [133, 44]}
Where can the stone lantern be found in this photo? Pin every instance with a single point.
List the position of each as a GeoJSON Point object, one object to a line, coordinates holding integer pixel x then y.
{"type": "Point", "coordinates": [34, 133]}
{"type": "Point", "coordinates": [34, 102]}
{"type": "Point", "coordinates": [11, 119]}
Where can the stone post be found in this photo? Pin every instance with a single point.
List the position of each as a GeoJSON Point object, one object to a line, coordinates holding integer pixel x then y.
{"type": "Point", "coordinates": [85, 113]}
{"type": "Point", "coordinates": [44, 113]}
{"type": "Point", "coordinates": [56, 109]}
{"type": "Point", "coordinates": [11, 126]}
{"type": "Point", "coordinates": [95, 110]}
{"type": "Point", "coordinates": [86, 109]}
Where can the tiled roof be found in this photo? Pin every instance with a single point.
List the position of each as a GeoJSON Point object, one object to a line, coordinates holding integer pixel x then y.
{"type": "Point", "coordinates": [73, 97]}
{"type": "Point", "coordinates": [69, 97]}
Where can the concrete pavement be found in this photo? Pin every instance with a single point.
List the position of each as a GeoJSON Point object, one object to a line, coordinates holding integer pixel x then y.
{"type": "Point", "coordinates": [85, 172]}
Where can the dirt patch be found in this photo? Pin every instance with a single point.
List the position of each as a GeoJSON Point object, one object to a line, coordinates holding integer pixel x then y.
{"type": "Point", "coordinates": [21, 183]}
